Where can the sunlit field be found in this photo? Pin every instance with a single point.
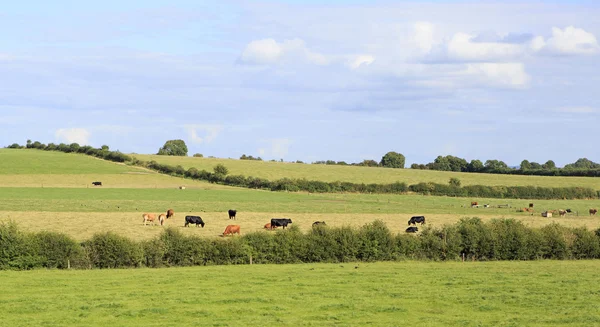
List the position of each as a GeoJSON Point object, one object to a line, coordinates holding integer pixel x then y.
{"type": "Point", "coordinates": [535, 293]}
{"type": "Point", "coordinates": [331, 173]}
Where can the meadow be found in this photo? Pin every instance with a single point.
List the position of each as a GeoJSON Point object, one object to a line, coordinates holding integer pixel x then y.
{"type": "Point", "coordinates": [68, 202]}
{"type": "Point", "coordinates": [331, 173]}
{"type": "Point", "coordinates": [535, 293]}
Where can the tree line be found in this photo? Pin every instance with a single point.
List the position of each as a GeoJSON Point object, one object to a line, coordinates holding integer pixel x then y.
{"type": "Point", "coordinates": [470, 238]}
{"type": "Point", "coordinates": [220, 176]}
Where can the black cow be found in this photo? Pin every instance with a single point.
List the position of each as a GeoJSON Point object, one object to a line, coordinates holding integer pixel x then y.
{"type": "Point", "coordinates": [417, 219]}
{"type": "Point", "coordinates": [280, 222]}
{"type": "Point", "coordinates": [97, 183]}
{"type": "Point", "coordinates": [412, 229]}
{"type": "Point", "coordinates": [569, 211]}
{"type": "Point", "coordinates": [317, 223]}
{"type": "Point", "coordinates": [193, 220]}
{"type": "Point", "coordinates": [232, 213]}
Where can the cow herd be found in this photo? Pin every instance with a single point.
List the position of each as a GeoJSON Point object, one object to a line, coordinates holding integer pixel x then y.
{"type": "Point", "coordinates": [235, 229]}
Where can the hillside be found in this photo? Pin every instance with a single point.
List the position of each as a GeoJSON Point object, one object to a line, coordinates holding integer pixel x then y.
{"type": "Point", "coordinates": [36, 168]}
{"type": "Point", "coordinates": [331, 173]}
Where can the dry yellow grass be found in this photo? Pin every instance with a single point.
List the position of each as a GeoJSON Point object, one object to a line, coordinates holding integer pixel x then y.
{"type": "Point", "coordinates": [82, 225]}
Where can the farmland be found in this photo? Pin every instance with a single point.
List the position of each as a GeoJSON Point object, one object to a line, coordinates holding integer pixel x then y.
{"type": "Point", "coordinates": [45, 190]}
{"type": "Point", "coordinates": [537, 293]}
{"type": "Point", "coordinates": [331, 173]}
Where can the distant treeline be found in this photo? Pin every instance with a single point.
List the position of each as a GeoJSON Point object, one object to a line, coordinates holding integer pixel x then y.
{"type": "Point", "coordinates": [499, 239]}
{"type": "Point", "coordinates": [219, 176]}
{"type": "Point", "coordinates": [581, 167]}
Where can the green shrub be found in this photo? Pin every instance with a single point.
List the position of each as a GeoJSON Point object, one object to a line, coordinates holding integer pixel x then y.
{"type": "Point", "coordinates": [585, 245]}
{"type": "Point", "coordinates": [59, 250]}
{"type": "Point", "coordinates": [109, 250]}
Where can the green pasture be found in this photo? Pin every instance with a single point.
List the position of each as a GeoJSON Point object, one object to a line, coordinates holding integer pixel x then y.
{"type": "Point", "coordinates": [331, 173]}
{"type": "Point", "coordinates": [537, 293]}
{"type": "Point", "coordinates": [81, 212]}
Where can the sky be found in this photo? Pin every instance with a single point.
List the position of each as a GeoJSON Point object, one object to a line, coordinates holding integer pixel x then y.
{"type": "Point", "coordinates": [342, 80]}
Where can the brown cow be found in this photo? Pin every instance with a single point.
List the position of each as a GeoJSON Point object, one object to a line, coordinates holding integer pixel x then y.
{"type": "Point", "coordinates": [161, 218]}
{"type": "Point", "coordinates": [170, 213]}
{"type": "Point", "coordinates": [562, 212]}
{"type": "Point", "coordinates": [268, 226]}
{"type": "Point", "coordinates": [593, 211]}
{"type": "Point", "coordinates": [231, 229]}
{"type": "Point", "coordinates": [474, 204]}
{"type": "Point", "coordinates": [149, 217]}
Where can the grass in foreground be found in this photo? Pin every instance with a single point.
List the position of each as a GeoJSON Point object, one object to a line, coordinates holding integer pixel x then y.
{"type": "Point", "coordinates": [331, 173]}
{"type": "Point", "coordinates": [539, 293]}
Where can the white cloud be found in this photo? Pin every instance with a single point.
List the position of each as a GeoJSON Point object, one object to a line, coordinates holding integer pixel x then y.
{"type": "Point", "coordinates": [423, 36]}
{"type": "Point", "coordinates": [501, 74]}
{"type": "Point", "coordinates": [73, 135]}
{"type": "Point", "coordinates": [462, 47]}
{"type": "Point", "coordinates": [578, 110]}
{"type": "Point", "coordinates": [210, 132]}
{"type": "Point", "coordinates": [269, 51]}
{"type": "Point", "coordinates": [572, 40]}
{"type": "Point", "coordinates": [359, 60]}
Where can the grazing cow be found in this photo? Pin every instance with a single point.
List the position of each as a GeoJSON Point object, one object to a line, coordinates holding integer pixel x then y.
{"type": "Point", "coordinates": [474, 204]}
{"type": "Point", "coordinates": [182, 187]}
{"type": "Point", "coordinates": [170, 213]}
{"type": "Point", "coordinates": [232, 213]}
{"type": "Point", "coordinates": [193, 220]}
{"type": "Point", "coordinates": [412, 229]}
{"type": "Point", "coordinates": [317, 223]}
{"type": "Point", "coordinates": [283, 222]}
{"type": "Point", "coordinates": [531, 205]}
{"type": "Point", "coordinates": [97, 183]}
{"type": "Point", "coordinates": [149, 217]}
{"type": "Point", "coordinates": [232, 229]}
{"type": "Point", "coordinates": [569, 211]}
{"type": "Point", "coordinates": [562, 212]}
{"type": "Point", "coordinates": [161, 218]}
{"type": "Point", "coordinates": [417, 219]}
{"type": "Point", "coordinates": [593, 211]}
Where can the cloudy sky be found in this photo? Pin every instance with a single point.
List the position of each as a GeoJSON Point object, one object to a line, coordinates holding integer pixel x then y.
{"type": "Point", "coordinates": [306, 80]}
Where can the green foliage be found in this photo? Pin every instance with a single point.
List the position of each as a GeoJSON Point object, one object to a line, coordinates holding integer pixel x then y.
{"type": "Point", "coordinates": [198, 155]}
{"type": "Point", "coordinates": [393, 160]}
{"type": "Point", "coordinates": [455, 182]}
{"type": "Point", "coordinates": [109, 250]}
{"type": "Point", "coordinates": [17, 249]}
{"type": "Point", "coordinates": [220, 169]}
{"type": "Point", "coordinates": [173, 148]}
{"type": "Point", "coordinates": [59, 250]}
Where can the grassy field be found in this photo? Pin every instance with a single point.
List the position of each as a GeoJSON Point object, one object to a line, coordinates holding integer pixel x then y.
{"type": "Point", "coordinates": [36, 168]}
{"type": "Point", "coordinates": [83, 212]}
{"type": "Point", "coordinates": [539, 293]}
{"type": "Point", "coordinates": [330, 173]}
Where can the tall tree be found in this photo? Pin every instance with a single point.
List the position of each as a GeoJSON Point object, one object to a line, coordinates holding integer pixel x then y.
{"type": "Point", "coordinates": [549, 165]}
{"type": "Point", "coordinates": [393, 160]}
{"type": "Point", "coordinates": [174, 148]}
{"type": "Point", "coordinates": [525, 164]}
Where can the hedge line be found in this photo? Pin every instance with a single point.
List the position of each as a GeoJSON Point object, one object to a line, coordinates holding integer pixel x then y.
{"type": "Point", "coordinates": [294, 185]}
{"type": "Point", "coordinates": [499, 239]}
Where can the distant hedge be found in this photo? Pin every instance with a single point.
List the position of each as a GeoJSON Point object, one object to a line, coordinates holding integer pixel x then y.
{"type": "Point", "coordinates": [498, 239]}
{"type": "Point", "coordinates": [313, 186]}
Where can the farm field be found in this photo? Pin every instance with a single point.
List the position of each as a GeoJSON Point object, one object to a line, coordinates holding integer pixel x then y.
{"type": "Point", "coordinates": [68, 203]}
{"type": "Point", "coordinates": [82, 212]}
{"type": "Point", "coordinates": [331, 173]}
{"type": "Point", "coordinates": [536, 293]}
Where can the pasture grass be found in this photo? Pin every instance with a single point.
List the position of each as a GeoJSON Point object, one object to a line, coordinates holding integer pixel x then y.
{"type": "Point", "coordinates": [535, 293]}
{"type": "Point", "coordinates": [82, 212]}
{"type": "Point", "coordinates": [331, 173]}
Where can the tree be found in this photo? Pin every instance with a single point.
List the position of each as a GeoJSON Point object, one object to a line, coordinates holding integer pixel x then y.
{"type": "Point", "coordinates": [549, 165]}
{"type": "Point", "coordinates": [368, 163]}
{"type": "Point", "coordinates": [198, 155]}
{"type": "Point", "coordinates": [535, 165]}
{"type": "Point", "coordinates": [495, 165]}
{"type": "Point", "coordinates": [525, 164]}
{"type": "Point", "coordinates": [174, 148]}
{"type": "Point", "coordinates": [475, 166]}
{"type": "Point", "coordinates": [393, 160]}
{"type": "Point", "coordinates": [454, 182]}
{"type": "Point", "coordinates": [220, 169]}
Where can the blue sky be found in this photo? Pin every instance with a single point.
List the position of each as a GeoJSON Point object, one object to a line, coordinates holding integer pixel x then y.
{"type": "Point", "coordinates": [306, 80]}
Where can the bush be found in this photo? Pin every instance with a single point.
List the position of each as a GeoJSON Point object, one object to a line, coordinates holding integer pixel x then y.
{"type": "Point", "coordinates": [109, 250]}
{"type": "Point", "coordinates": [220, 169]}
{"type": "Point", "coordinates": [18, 250]}
{"type": "Point", "coordinates": [59, 250]}
{"type": "Point", "coordinates": [376, 242]}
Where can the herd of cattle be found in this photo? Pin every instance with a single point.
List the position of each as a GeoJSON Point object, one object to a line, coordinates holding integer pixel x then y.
{"type": "Point", "coordinates": [235, 229]}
